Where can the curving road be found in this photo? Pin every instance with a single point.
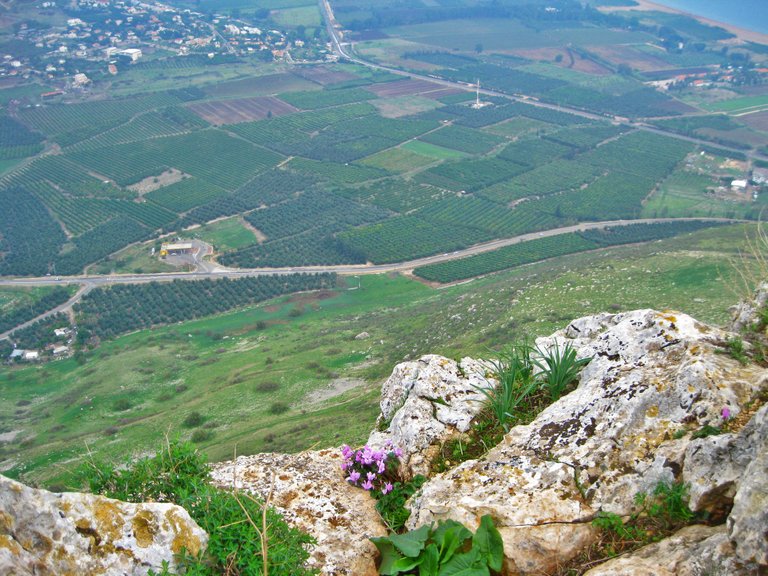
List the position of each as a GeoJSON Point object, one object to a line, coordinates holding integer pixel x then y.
{"type": "Point", "coordinates": [209, 270]}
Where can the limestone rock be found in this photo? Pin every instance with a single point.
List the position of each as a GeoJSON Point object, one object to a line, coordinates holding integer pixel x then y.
{"type": "Point", "coordinates": [748, 521]}
{"type": "Point", "coordinates": [425, 402]}
{"type": "Point", "coordinates": [692, 551]}
{"type": "Point", "coordinates": [43, 533]}
{"type": "Point", "coordinates": [652, 374]}
{"type": "Point", "coordinates": [714, 466]}
{"type": "Point", "coordinates": [362, 336]}
{"type": "Point", "coordinates": [310, 491]}
{"type": "Point", "coordinates": [745, 314]}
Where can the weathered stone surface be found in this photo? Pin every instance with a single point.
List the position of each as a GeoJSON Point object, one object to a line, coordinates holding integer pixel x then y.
{"type": "Point", "coordinates": [714, 466]}
{"type": "Point", "coordinates": [745, 313]}
{"type": "Point", "coordinates": [310, 491]}
{"type": "Point", "coordinates": [43, 533]}
{"type": "Point", "coordinates": [652, 374]}
{"type": "Point", "coordinates": [693, 551]}
{"type": "Point", "coordinates": [425, 402]}
{"type": "Point", "coordinates": [748, 521]}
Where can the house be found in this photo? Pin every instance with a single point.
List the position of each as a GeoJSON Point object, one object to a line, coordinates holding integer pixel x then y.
{"type": "Point", "coordinates": [31, 355]}
{"type": "Point", "coordinates": [739, 185]}
{"type": "Point", "coordinates": [59, 350]}
{"type": "Point", "coordinates": [17, 353]}
{"type": "Point", "coordinates": [760, 175]}
{"type": "Point", "coordinates": [61, 332]}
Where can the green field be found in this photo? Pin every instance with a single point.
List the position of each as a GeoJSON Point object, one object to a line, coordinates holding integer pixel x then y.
{"type": "Point", "coordinates": [397, 160]}
{"type": "Point", "coordinates": [226, 235]}
{"type": "Point", "coordinates": [235, 367]}
{"type": "Point", "coordinates": [307, 16]}
{"type": "Point", "coordinates": [738, 106]}
{"type": "Point", "coordinates": [503, 35]}
{"type": "Point", "coordinates": [436, 152]}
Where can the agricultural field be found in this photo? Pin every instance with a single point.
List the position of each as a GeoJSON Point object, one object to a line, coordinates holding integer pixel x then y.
{"type": "Point", "coordinates": [279, 149]}
{"type": "Point", "coordinates": [228, 234]}
{"type": "Point", "coordinates": [239, 110]}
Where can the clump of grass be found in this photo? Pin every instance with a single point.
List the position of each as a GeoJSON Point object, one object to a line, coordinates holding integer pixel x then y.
{"type": "Point", "coordinates": [514, 371]}
{"type": "Point", "coordinates": [559, 367]}
{"type": "Point", "coordinates": [236, 545]}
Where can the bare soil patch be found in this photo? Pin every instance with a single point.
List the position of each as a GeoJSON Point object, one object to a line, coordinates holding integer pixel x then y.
{"type": "Point", "coordinates": [758, 120]}
{"type": "Point", "coordinates": [404, 88]}
{"type": "Point", "coordinates": [241, 109]}
{"type": "Point", "coordinates": [617, 54]}
{"type": "Point", "coordinates": [324, 76]}
{"type": "Point", "coordinates": [260, 236]}
{"type": "Point", "coordinates": [335, 388]}
{"type": "Point", "coordinates": [152, 183]}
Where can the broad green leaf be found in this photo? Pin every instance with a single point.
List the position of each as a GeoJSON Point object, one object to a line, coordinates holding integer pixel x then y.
{"type": "Point", "coordinates": [488, 543]}
{"type": "Point", "coordinates": [449, 536]}
{"type": "Point", "coordinates": [406, 564]}
{"type": "Point", "coordinates": [388, 556]}
{"type": "Point", "coordinates": [429, 565]}
{"type": "Point", "coordinates": [411, 543]}
{"type": "Point", "coordinates": [467, 564]}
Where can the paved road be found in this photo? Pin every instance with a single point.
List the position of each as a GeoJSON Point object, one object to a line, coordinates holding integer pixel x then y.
{"type": "Point", "coordinates": [84, 289]}
{"type": "Point", "coordinates": [343, 269]}
{"type": "Point", "coordinates": [340, 48]}
{"type": "Point", "coordinates": [89, 282]}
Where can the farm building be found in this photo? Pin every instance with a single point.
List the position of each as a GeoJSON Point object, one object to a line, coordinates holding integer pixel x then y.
{"type": "Point", "coordinates": [175, 248]}
{"type": "Point", "coordinates": [59, 350]}
{"type": "Point", "coordinates": [739, 184]}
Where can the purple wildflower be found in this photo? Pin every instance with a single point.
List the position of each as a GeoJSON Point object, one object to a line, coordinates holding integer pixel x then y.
{"type": "Point", "coordinates": [354, 476]}
{"type": "Point", "coordinates": [726, 413]}
{"type": "Point", "coordinates": [387, 488]}
{"type": "Point", "coordinates": [368, 485]}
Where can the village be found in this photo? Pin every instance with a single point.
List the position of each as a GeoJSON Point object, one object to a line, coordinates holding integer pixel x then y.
{"type": "Point", "coordinates": [101, 38]}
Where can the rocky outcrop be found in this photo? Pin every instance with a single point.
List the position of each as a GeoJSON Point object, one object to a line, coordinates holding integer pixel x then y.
{"type": "Point", "coordinates": [310, 491]}
{"type": "Point", "coordinates": [692, 551]}
{"type": "Point", "coordinates": [746, 313]}
{"type": "Point", "coordinates": [653, 377]}
{"type": "Point", "coordinates": [426, 402]}
{"type": "Point", "coordinates": [44, 533]}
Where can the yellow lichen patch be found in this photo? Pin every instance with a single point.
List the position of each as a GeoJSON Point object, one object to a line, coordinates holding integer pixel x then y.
{"type": "Point", "coordinates": [668, 315]}
{"type": "Point", "coordinates": [144, 528]}
{"type": "Point", "coordinates": [109, 519]}
{"type": "Point", "coordinates": [695, 349]}
{"type": "Point", "coordinates": [652, 412]}
{"type": "Point", "coordinates": [65, 506]}
{"type": "Point", "coordinates": [6, 523]}
{"type": "Point", "coordinates": [8, 543]}
{"type": "Point", "coordinates": [184, 538]}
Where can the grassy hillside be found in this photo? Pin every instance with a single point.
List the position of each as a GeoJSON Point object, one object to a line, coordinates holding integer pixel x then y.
{"type": "Point", "coordinates": [290, 373]}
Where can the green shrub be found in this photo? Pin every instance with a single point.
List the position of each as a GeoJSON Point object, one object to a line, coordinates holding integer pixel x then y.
{"type": "Point", "coordinates": [279, 408]}
{"type": "Point", "coordinates": [178, 474]}
{"type": "Point", "coordinates": [391, 506]}
{"type": "Point", "coordinates": [193, 420]}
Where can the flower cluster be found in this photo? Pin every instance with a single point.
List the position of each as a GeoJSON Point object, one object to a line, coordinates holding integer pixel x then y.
{"type": "Point", "coordinates": [370, 469]}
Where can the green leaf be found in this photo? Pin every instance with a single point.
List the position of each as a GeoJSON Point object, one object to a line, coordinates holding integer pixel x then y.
{"type": "Point", "coordinates": [487, 541]}
{"type": "Point", "coordinates": [467, 564]}
{"type": "Point", "coordinates": [388, 556]}
{"type": "Point", "coordinates": [430, 562]}
{"type": "Point", "coordinates": [449, 536]}
{"type": "Point", "coordinates": [411, 543]}
{"type": "Point", "coordinates": [406, 564]}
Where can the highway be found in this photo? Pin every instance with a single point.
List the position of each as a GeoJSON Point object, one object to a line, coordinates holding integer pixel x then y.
{"type": "Point", "coordinates": [339, 48]}
{"type": "Point", "coordinates": [215, 271]}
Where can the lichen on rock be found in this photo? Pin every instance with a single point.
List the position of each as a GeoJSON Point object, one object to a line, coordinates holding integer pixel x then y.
{"type": "Point", "coordinates": [72, 533]}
